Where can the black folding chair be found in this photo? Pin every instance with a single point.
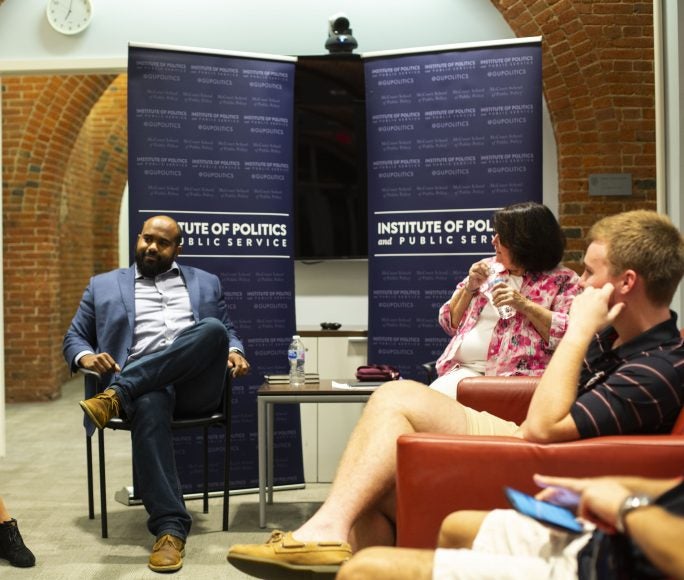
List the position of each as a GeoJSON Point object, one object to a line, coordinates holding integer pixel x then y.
{"type": "Point", "coordinates": [220, 416]}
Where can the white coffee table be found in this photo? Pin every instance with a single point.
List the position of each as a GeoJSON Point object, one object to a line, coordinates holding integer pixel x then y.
{"type": "Point", "coordinates": [269, 395]}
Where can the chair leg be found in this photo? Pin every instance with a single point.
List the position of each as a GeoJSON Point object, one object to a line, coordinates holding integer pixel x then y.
{"type": "Point", "coordinates": [205, 499]}
{"type": "Point", "coordinates": [134, 485]}
{"type": "Point", "coordinates": [103, 485]}
{"type": "Point", "coordinates": [89, 471]}
{"type": "Point", "coordinates": [226, 474]}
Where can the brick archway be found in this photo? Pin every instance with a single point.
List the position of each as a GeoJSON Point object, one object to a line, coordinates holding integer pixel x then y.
{"type": "Point", "coordinates": [57, 162]}
{"type": "Point", "coordinates": [599, 86]}
{"type": "Point", "coordinates": [89, 215]}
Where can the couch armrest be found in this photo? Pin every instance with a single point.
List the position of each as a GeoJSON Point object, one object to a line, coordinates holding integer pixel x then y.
{"type": "Point", "coordinates": [505, 397]}
{"type": "Point", "coordinates": [439, 474]}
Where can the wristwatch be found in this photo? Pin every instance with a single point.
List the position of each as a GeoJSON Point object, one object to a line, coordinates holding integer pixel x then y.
{"type": "Point", "coordinates": [631, 503]}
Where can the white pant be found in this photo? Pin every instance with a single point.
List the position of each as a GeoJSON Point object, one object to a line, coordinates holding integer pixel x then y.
{"type": "Point", "coordinates": [510, 546]}
{"type": "Point", "coordinates": [447, 384]}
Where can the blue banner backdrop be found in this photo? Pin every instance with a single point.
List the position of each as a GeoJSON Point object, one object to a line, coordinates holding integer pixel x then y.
{"type": "Point", "coordinates": [210, 144]}
{"type": "Point", "coordinates": [453, 134]}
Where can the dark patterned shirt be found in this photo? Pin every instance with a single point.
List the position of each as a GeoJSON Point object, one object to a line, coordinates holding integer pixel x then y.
{"type": "Point", "coordinates": [637, 387]}
{"type": "Point", "coordinates": [618, 556]}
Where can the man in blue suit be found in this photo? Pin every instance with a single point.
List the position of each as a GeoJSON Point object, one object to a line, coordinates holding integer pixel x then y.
{"type": "Point", "coordinates": [160, 336]}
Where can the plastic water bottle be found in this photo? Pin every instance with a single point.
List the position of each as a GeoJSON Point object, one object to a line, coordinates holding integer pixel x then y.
{"type": "Point", "coordinates": [295, 356]}
{"type": "Point", "coordinates": [505, 311]}
{"type": "Point", "coordinates": [495, 276]}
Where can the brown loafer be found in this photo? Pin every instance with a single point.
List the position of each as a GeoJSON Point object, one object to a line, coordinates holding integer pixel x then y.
{"type": "Point", "coordinates": [283, 554]}
{"type": "Point", "coordinates": [102, 407]}
{"type": "Point", "coordinates": [167, 554]}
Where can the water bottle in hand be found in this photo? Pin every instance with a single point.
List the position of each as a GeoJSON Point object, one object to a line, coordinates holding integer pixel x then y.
{"type": "Point", "coordinates": [295, 356]}
{"type": "Point", "coordinates": [505, 311]}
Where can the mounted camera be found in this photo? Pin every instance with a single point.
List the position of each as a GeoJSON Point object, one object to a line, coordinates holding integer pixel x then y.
{"type": "Point", "coordinates": [340, 37]}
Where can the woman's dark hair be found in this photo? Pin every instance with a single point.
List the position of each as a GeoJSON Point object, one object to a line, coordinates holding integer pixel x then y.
{"type": "Point", "coordinates": [532, 234]}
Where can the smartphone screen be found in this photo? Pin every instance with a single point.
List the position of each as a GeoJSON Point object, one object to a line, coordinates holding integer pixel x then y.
{"type": "Point", "coordinates": [544, 512]}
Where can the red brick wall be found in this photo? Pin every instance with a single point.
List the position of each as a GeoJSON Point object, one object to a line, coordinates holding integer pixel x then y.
{"type": "Point", "coordinates": [89, 211]}
{"type": "Point", "coordinates": [64, 165]}
{"type": "Point", "coordinates": [64, 168]}
{"type": "Point", "coordinates": [599, 87]}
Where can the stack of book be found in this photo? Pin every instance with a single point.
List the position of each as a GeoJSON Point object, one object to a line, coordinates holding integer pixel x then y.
{"type": "Point", "coordinates": [283, 379]}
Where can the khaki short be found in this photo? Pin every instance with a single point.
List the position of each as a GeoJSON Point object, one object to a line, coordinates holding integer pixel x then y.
{"type": "Point", "coordinates": [483, 423]}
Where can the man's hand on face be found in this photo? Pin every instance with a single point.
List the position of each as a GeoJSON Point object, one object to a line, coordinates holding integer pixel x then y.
{"type": "Point", "coordinates": [591, 310]}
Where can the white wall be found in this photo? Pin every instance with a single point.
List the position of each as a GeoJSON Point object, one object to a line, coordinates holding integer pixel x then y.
{"type": "Point", "coordinates": [2, 316]}
{"type": "Point", "coordinates": [294, 27]}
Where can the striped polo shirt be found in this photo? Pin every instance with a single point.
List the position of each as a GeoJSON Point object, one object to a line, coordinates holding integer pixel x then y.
{"type": "Point", "coordinates": [637, 387]}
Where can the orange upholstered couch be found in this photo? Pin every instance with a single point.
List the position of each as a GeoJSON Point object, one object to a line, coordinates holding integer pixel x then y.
{"type": "Point", "coordinates": [439, 474]}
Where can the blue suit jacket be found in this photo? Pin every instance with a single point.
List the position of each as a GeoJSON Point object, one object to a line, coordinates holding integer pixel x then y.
{"type": "Point", "coordinates": [105, 319]}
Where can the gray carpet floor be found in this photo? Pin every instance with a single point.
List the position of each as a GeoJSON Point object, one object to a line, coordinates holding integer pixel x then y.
{"type": "Point", "coordinates": [43, 482]}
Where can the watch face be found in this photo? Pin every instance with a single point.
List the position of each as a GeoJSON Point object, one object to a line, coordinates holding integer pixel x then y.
{"type": "Point", "coordinates": [69, 16]}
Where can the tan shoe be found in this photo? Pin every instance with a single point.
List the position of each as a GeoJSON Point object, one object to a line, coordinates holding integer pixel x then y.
{"type": "Point", "coordinates": [102, 407]}
{"type": "Point", "coordinates": [283, 553]}
{"type": "Point", "coordinates": [167, 554]}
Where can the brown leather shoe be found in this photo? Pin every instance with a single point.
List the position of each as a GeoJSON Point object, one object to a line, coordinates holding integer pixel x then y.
{"type": "Point", "coordinates": [283, 556]}
{"type": "Point", "coordinates": [102, 407]}
{"type": "Point", "coordinates": [167, 554]}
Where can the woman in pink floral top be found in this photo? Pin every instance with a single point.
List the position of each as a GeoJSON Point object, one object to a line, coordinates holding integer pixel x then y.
{"type": "Point", "coordinates": [529, 245]}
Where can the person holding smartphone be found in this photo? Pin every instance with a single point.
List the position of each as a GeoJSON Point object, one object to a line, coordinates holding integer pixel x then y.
{"type": "Point", "coordinates": [634, 527]}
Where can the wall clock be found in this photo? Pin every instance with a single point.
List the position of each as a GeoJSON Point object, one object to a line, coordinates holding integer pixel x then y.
{"type": "Point", "coordinates": [69, 16]}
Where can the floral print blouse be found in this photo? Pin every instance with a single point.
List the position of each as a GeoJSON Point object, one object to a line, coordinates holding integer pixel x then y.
{"type": "Point", "coordinates": [516, 347]}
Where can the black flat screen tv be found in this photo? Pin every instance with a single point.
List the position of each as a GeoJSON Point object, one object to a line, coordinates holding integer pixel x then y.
{"type": "Point", "coordinates": [330, 196]}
